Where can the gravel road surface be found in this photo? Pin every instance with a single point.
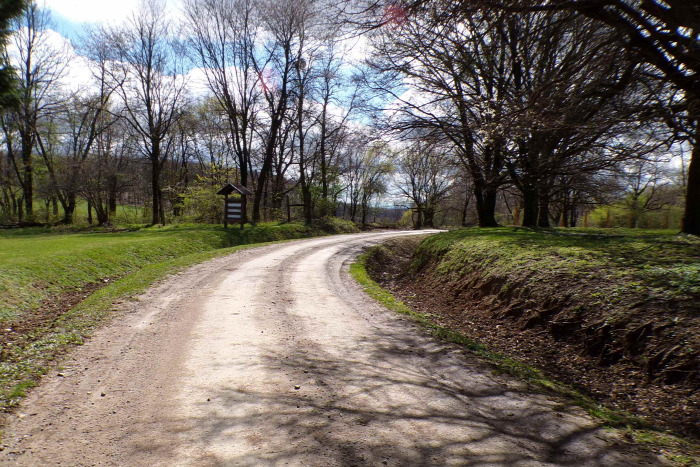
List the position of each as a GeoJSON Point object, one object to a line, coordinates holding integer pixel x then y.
{"type": "Point", "coordinates": [274, 356]}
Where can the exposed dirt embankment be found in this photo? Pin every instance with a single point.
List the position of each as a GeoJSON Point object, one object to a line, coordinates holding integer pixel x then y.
{"type": "Point", "coordinates": [616, 317]}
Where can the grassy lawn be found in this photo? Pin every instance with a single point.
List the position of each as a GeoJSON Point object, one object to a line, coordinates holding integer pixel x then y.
{"type": "Point", "coordinates": [57, 285]}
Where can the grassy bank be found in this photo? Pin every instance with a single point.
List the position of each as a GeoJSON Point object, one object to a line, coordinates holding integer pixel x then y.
{"type": "Point", "coordinates": [608, 317]}
{"type": "Point", "coordinates": [57, 285]}
{"type": "Point", "coordinates": [679, 451]}
{"type": "Point", "coordinates": [628, 301]}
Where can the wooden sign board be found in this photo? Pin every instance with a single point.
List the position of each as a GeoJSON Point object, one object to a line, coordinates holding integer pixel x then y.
{"type": "Point", "coordinates": [234, 210]}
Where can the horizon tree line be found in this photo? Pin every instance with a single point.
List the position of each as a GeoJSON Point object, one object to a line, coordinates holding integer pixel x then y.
{"type": "Point", "coordinates": [533, 108]}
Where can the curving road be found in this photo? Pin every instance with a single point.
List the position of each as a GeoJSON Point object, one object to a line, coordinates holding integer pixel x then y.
{"type": "Point", "coordinates": [274, 356]}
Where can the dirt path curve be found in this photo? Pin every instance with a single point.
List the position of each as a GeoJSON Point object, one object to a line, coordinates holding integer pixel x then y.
{"type": "Point", "coordinates": [273, 356]}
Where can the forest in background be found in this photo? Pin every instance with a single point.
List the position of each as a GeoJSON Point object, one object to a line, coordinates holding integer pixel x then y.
{"type": "Point", "coordinates": [424, 113]}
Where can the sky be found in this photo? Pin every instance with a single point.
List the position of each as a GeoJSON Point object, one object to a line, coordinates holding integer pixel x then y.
{"type": "Point", "coordinates": [87, 11]}
{"type": "Point", "coordinates": [74, 13]}
{"type": "Point", "coordinates": [71, 16]}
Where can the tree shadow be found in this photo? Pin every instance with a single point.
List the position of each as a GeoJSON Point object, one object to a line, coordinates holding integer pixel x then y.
{"type": "Point", "coordinates": [407, 404]}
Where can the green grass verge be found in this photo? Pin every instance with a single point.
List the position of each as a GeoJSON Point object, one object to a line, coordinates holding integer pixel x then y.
{"type": "Point", "coordinates": [654, 264]}
{"type": "Point", "coordinates": [673, 447]}
{"type": "Point", "coordinates": [36, 265]}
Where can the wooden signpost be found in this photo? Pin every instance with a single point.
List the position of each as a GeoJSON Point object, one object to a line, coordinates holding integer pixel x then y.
{"type": "Point", "coordinates": [235, 208]}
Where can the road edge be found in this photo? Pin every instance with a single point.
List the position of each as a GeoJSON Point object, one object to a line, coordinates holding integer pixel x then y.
{"type": "Point", "coordinates": [673, 449]}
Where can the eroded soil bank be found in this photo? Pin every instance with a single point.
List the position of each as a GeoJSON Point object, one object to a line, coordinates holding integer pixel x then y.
{"type": "Point", "coordinates": [632, 351]}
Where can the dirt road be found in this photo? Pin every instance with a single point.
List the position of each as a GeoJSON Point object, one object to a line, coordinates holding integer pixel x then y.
{"type": "Point", "coordinates": [273, 356]}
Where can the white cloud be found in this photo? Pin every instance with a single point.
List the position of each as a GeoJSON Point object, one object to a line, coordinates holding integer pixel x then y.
{"type": "Point", "coordinates": [102, 11]}
{"type": "Point", "coordinates": [358, 49]}
{"type": "Point", "coordinates": [197, 83]}
{"type": "Point", "coordinates": [92, 11]}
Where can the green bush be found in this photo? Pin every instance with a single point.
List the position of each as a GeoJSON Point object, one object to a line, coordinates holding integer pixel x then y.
{"type": "Point", "coordinates": [202, 204]}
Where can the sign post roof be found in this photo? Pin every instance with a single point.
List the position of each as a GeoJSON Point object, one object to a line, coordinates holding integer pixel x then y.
{"type": "Point", "coordinates": [234, 188]}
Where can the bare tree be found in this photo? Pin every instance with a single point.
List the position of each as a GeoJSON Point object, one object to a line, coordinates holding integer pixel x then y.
{"type": "Point", "coordinates": [66, 140]}
{"type": "Point", "coordinates": [150, 88]}
{"type": "Point", "coordinates": [40, 67]}
{"type": "Point", "coordinates": [108, 171]}
{"type": "Point", "coordinates": [223, 41]}
{"type": "Point", "coordinates": [285, 24]}
{"type": "Point", "coordinates": [664, 34]}
{"type": "Point", "coordinates": [373, 171]}
{"type": "Point", "coordinates": [332, 89]}
{"type": "Point", "coordinates": [426, 176]}
{"type": "Point", "coordinates": [456, 77]}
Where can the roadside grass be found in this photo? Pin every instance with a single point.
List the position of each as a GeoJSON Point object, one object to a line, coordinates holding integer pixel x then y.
{"type": "Point", "coordinates": [657, 264]}
{"type": "Point", "coordinates": [38, 265]}
{"type": "Point", "coordinates": [503, 363]}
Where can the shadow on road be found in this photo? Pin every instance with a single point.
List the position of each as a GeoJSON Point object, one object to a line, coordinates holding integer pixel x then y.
{"type": "Point", "coordinates": [404, 405]}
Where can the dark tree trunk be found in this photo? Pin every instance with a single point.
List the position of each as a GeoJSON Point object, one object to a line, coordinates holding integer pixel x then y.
{"type": "Point", "coordinates": [306, 199]}
{"type": "Point", "coordinates": [418, 224]}
{"type": "Point", "coordinates": [28, 182]}
{"type": "Point", "coordinates": [543, 216]}
{"type": "Point", "coordinates": [489, 214]}
{"type": "Point", "coordinates": [485, 205]}
{"type": "Point", "coordinates": [691, 216]}
{"type": "Point", "coordinates": [465, 209]}
{"type": "Point", "coordinates": [429, 217]}
{"type": "Point", "coordinates": [266, 167]}
{"type": "Point", "coordinates": [69, 208]}
{"type": "Point", "coordinates": [364, 212]}
{"type": "Point", "coordinates": [155, 181]}
{"type": "Point", "coordinates": [112, 198]}
{"type": "Point", "coordinates": [530, 206]}
{"type": "Point", "coordinates": [102, 214]}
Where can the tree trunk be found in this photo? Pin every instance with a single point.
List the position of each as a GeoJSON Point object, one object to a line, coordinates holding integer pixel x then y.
{"type": "Point", "coordinates": [691, 216]}
{"type": "Point", "coordinates": [465, 209]}
{"type": "Point", "coordinates": [112, 202]}
{"type": "Point", "coordinates": [418, 224]}
{"type": "Point", "coordinates": [530, 206]}
{"type": "Point", "coordinates": [155, 181]}
{"type": "Point", "coordinates": [485, 205]}
{"type": "Point", "coordinates": [267, 165]}
{"type": "Point", "coordinates": [69, 208]}
{"type": "Point", "coordinates": [489, 214]}
{"type": "Point", "coordinates": [364, 211]}
{"type": "Point", "coordinates": [308, 208]}
{"type": "Point", "coordinates": [28, 183]}
{"type": "Point", "coordinates": [543, 215]}
{"type": "Point", "coordinates": [429, 217]}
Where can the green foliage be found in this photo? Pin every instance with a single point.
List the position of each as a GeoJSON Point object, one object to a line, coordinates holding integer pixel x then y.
{"type": "Point", "coordinates": [202, 204]}
{"type": "Point", "coordinates": [324, 208]}
{"type": "Point", "coordinates": [406, 220]}
{"type": "Point", "coordinates": [669, 217]}
{"type": "Point", "coordinates": [9, 97]}
{"type": "Point", "coordinates": [638, 261]}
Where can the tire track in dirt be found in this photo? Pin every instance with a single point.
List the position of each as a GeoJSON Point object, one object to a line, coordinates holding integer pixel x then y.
{"type": "Point", "coordinates": [273, 356]}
